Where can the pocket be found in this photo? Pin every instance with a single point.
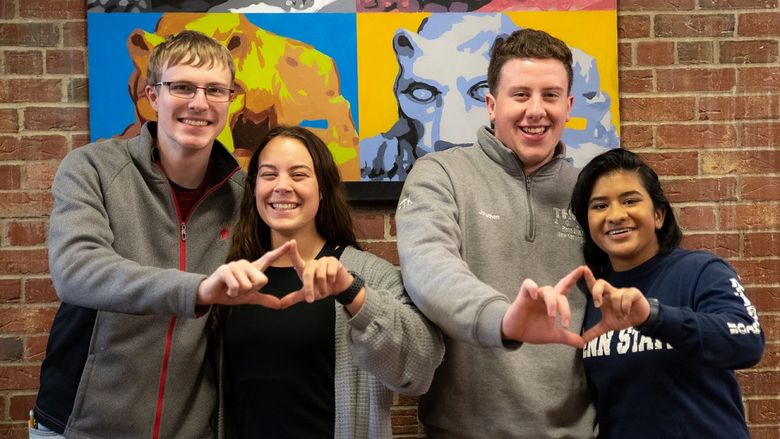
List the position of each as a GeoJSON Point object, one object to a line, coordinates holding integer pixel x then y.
{"type": "Point", "coordinates": [42, 432]}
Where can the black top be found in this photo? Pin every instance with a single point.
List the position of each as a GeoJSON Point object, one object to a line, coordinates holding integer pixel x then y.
{"type": "Point", "coordinates": [280, 363]}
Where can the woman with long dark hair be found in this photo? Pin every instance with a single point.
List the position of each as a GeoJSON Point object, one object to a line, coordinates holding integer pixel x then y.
{"type": "Point", "coordinates": [323, 365]}
{"type": "Point", "coordinates": [665, 327]}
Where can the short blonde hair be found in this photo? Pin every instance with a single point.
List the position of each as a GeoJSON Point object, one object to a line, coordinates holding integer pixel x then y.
{"type": "Point", "coordinates": [191, 48]}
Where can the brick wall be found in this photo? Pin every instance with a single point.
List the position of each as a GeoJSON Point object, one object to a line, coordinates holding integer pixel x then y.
{"type": "Point", "coordinates": [700, 99]}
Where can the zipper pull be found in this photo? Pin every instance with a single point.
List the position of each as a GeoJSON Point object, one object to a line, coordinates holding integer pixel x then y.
{"type": "Point", "coordinates": [183, 231]}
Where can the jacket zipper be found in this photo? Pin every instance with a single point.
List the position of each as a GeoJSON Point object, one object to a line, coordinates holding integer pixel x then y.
{"type": "Point", "coordinates": [530, 233]}
{"type": "Point", "coordinates": [182, 267]}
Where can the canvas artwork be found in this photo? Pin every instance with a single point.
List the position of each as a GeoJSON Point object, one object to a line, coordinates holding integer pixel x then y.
{"type": "Point", "coordinates": [381, 82]}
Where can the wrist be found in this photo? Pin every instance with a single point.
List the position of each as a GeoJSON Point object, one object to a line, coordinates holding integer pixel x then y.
{"type": "Point", "coordinates": [652, 316]}
{"type": "Point", "coordinates": [348, 295]}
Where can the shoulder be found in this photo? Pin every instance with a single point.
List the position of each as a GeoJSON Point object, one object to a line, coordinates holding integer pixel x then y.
{"type": "Point", "coordinates": [692, 263]}
{"type": "Point", "coordinates": [365, 262]}
{"type": "Point", "coordinates": [106, 154]}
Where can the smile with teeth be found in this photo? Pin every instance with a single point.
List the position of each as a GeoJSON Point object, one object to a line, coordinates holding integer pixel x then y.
{"type": "Point", "coordinates": [283, 206]}
{"type": "Point", "coordinates": [619, 231]}
{"type": "Point", "coordinates": [533, 130]}
{"type": "Point", "coordinates": [195, 122]}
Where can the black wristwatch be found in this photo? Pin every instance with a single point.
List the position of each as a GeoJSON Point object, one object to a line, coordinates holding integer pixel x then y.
{"type": "Point", "coordinates": [347, 296]}
{"type": "Point", "coordinates": [652, 317]}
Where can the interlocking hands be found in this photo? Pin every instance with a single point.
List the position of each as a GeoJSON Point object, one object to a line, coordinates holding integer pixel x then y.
{"type": "Point", "coordinates": [620, 307]}
{"type": "Point", "coordinates": [239, 282]}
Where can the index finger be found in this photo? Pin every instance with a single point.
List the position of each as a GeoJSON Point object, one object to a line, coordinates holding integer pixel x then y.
{"type": "Point", "coordinates": [590, 279]}
{"type": "Point", "coordinates": [564, 285]}
{"type": "Point", "coordinates": [264, 261]}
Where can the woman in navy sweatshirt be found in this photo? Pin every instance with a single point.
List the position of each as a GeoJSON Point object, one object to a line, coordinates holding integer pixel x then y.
{"type": "Point", "coordinates": [665, 327]}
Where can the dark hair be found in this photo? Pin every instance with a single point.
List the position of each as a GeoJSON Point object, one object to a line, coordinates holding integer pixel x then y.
{"type": "Point", "coordinates": [527, 43]}
{"type": "Point", "coordinates": [614, 160]}
{"type": "Point", "coordinates": [252, 236]}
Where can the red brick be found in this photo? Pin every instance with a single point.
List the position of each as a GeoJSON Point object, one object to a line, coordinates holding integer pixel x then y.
{"type": "Point", "coordinates": [625, 54]}
{"type": "Point", "coordinates": [10, 177]}
{"type": "Point", "coordinates": [742, 162]}
{"type": "Point", "coordinates": [35, 347]}
{"type": "Point", "coordinates": [673, 164]}
{"type": "Point", "coordinates": [29, 34]}
{"type": "Point", "coordinates": [657, 109]}
{"type": "Point", "coordinates": [695, 26]}
{"type": "Point", "coordinates": [56, 118]}
{"type": "Point", "coordinates": [697, 218]}
{"type": "Point", "coordinates": [79, 140]}
{"type": "Point", "coordinates": [19, 431]}
{"type": "Point", "coordinates": [74, 34]}
{"type": "Point", "coordinates": [386, 250]}
{"type": "Point", "coordinates": [25, 204]}
{"type": "Point", "coordinates": [21, 406]}
{"type": "Point", "coordinates": [695, 80]}
{"type": "Point", "coordinates": [9, 120]}
{"type": "Point", "coordinates": [38, 290]}
{"type": "Point", "coordinates": [78, 90]}
{"type": "Point", "coordinates": [10, 348]}
{"type": "Point", "coordinates": [27, 62]}
{"type": "Point", "coordinates": [694, 52]}
{"type": "Point", "coordinates": [749, 216]}
{"type": "Point", "coordinates": [724, 245]}
{"type": "Point", "coordinates": [38, 147]}
{"type": "Point", "coordinates": [759, 24]}
{"type": "Point", "coordinates": [771, 357]}
{"type": "Point", "coordinates": [18, 378]}
{"type": "Point", "coordinates": [655, 5]}
{"type": "Point", "coordinates": [53, 9]}
{"type": "Point", "coordinates": [739, 107]}
{"type": "Point", "coordinates": [26, 320]}
{"type": "Point", "coordinates": [23, 262]}
{"type": "Point", "coordinates": [63, 62]}
{"type": "Point", "coordinates": [391, 220]}
{"type": "Point", "coordinates": [764, 431]}
{"type": "Point", "coordinates": [737, 4]}
{"type": "Point", "coordinates": [633, 26]}
{"type": "Point", "coordinates": [26, 233]}
{"type": "Point", "coordinates": [636, 136]}
{"type": "Point", "coordinates": [763, 188]}
{"type": "Point", "coordinates": [654, 53]}
{"type": "Point", "coordinates": [761, 135]}
{"type": "Point", "coordinates": [758, 79]}
{"type": "Point", "coordinates": [763, 411]}
{"type": "Point", "coordinates": [10, 290]}
{"type": "Point", "coordinates": [7, 12]}
{"type": "Point", "coordinates": [30, 90]}
{"type": "Point", "coordinates": [701, 189]}
{"type": "Point", "coordinates": [762, 244]}
{"type": "Point", "coordinates": [756, 382]}
{"type": "Point", "coordinates": [39, 174]}
{"type": "Point", "coordinates": [766, 299]}
{"type": "Point", "coordinates": [762, 272]}
{"type": "Point", "coordinates": [699, 136]}
{"type": "Point", "coordinates": [369, 225]}
{"type": "Point", "coordinates": [746, 52]}
{"type": "Point", "coordinates": [636, 81]}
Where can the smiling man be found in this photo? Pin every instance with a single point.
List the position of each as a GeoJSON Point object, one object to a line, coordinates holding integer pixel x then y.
{"type": "Point", "coordinates": [473, 223]}
{"type": "Point", "coordinates": [134, 222]}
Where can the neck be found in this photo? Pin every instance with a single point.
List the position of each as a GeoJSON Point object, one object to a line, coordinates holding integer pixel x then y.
{"type": "Point", "coordinates": [309, 245]}
{"type": "Point", "coordinates": [185, 169]}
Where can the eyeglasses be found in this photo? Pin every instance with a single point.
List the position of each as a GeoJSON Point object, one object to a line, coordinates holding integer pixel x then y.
{"type": "Point", "coordinates": [185, 90]}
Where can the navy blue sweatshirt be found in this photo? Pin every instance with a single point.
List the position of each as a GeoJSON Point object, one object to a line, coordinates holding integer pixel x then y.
{"type": "Point", "coordinates": [676, 379]}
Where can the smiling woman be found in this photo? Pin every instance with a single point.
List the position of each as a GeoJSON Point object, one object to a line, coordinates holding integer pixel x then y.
{"type": "Point", "coordinates": [665, 327]}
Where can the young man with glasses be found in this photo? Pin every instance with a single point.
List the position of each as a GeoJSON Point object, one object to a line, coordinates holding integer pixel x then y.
{"type": "Point", "coordinates": [133, 222]}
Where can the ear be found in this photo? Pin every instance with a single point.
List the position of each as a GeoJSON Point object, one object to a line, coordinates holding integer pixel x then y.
{"type": "Point", "coordinates": [404, 44]}
{"type": "Point", "coordinates": [152, 96]}
{"type": "Point", "coordinates": [571, 105]}
{"type": "Point", "coordinates": [490, 102]}
{"type": "Point", "coordinates": [659, 215]}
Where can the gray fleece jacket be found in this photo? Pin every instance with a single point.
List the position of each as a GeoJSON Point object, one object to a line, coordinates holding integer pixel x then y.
{"type": "Point", "coordinates": [117, 244]}
{"type": "Point", "coordinates": [471, 227]}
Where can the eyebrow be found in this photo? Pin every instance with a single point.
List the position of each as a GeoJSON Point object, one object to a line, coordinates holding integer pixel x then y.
{"type": "Point", "coordinates": [274, 167]}
{"type": "Point", "coordinates": [624, 194]}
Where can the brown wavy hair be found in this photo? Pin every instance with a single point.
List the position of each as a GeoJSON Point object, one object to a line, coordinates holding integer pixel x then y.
{"type": "Point", "coordinates": [252, 236]}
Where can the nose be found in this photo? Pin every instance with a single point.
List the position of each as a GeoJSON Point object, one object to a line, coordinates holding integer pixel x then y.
{"type": "Point", "coordinates": [616, 213]}
{"type": "Point", "coordinates": [282, 184]}
{"type": "Point", "coordinates": [535, 107]}
{"type": "Point", "coordinates": [199, 101]}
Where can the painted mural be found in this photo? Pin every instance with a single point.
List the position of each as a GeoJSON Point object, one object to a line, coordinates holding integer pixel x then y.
{"type": "Point", "coordinates": [382, 86]}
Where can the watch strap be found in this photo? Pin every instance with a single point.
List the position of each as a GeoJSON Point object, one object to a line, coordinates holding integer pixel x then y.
{"type": "Point", "coordinates": [348, 296]}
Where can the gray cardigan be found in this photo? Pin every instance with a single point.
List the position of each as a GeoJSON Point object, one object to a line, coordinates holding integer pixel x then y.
{"type": "Point", "coordinates": [387, 346]}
